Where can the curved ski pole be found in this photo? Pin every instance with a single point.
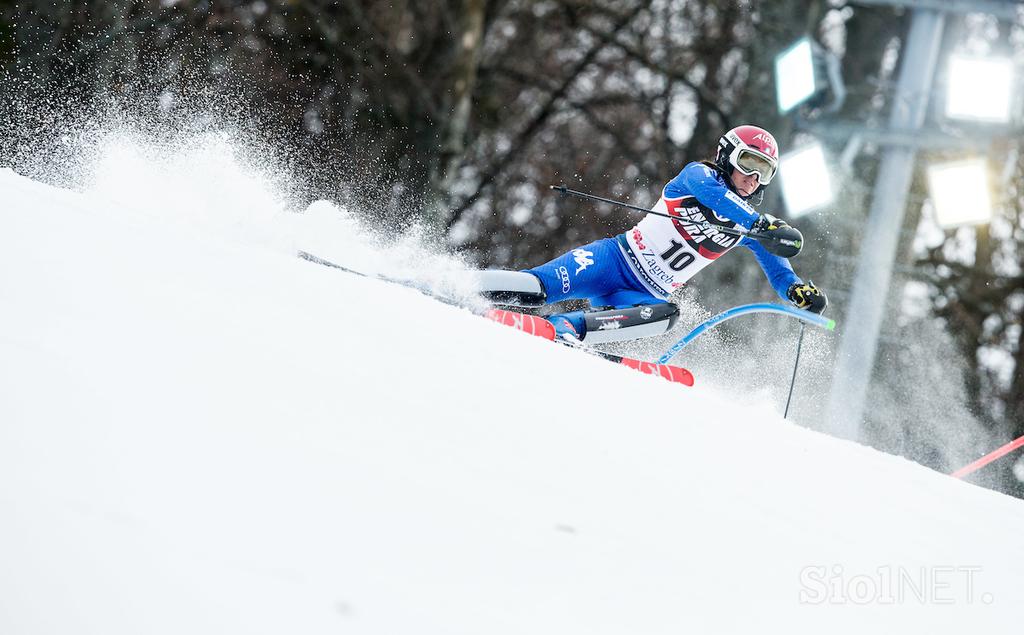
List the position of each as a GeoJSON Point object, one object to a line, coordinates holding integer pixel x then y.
{"type": "Point", "coordinates": [746, 309]}
{"type": "Point", "coordinates": [731, 231]}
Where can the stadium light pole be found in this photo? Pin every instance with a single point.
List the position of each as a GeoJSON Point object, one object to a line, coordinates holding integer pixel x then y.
{"type": "Point", "coordinates": [858, 346]}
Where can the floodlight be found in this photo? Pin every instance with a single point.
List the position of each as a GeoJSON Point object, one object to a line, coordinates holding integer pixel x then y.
{"type": "Point", "coordinates": [794, 75]}
{"type": "Point", "coordinates": [979, 89]}
{"type": "Point", "coordinates": [959, 193]}
{"type": "Point", "coordinates": [805, 72]}
{"type": "Point", "coordinates": [806, 183]}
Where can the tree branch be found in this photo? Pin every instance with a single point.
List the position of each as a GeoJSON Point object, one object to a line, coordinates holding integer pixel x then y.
{"type": "Point", "coordinates": [705, 98]}
{"type": "Point", "coordinates": [538, 121]}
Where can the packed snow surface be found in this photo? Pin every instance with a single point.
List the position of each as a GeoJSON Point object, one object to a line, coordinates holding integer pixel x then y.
{"type": "Point", "coordinates": [201, 433]}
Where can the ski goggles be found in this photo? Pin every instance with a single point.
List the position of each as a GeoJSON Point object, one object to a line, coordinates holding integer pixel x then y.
{"type": "Point", "coordinates": [751, 162]}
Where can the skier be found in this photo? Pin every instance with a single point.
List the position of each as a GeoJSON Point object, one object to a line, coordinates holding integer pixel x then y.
{"type": "Point", "coordinates": [629, 278]}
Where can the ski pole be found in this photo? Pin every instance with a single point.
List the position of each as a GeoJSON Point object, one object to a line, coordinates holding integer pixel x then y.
{"type": "Point", "coordinates": [988, 458]}
{"type": "Point", "coordinates": [796, 364]}
{"type": "Point", "coordinates": [725, 230]}
{"type": "Point", "coordinates": [793, 244]}
{"type": "Point", "coordinates": [564, 190]}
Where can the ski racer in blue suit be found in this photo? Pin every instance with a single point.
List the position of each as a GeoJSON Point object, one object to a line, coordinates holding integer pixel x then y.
{"type": "Point", "coordinates": [632, 275]}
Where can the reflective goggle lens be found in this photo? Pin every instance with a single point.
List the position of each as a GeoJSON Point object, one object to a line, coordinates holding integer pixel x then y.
{"type": "Point", "coordinates": [749, 163]}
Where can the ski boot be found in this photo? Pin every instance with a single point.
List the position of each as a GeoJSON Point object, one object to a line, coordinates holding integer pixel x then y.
{"type": "Point", "coordinates": [510, 288]}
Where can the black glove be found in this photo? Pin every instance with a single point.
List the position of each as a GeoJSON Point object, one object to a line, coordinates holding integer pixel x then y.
{"type": "Point", "coordinates": [768, 223]}
{"type": "Point", "coordinates": [776, 236]}
{"type": "Point", "coordinates": [807, 296]}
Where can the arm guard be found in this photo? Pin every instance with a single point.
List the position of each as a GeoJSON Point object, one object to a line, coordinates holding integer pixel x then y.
{"type": "Point", "coordinates": [777, 269]}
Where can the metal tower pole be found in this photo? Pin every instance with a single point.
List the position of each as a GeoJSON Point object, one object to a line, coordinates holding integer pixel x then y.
{"type": "Point", "coordinates": [880, 241]}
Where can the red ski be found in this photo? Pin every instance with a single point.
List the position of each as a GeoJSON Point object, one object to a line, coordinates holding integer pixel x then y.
{"type": "Point", "coordinates": [540, 327]}
{"type": "Point", "coordinates": [676, 374]}
{"type": "Point", "coordinates": [521, 322]}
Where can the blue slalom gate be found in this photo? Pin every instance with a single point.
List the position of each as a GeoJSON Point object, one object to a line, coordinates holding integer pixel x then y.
{"type": "Point", "coordinates": [747, 309]}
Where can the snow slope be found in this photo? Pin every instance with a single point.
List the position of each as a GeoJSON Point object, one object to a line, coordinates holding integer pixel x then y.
{"type": "Point", "coordinates": [200, 433]}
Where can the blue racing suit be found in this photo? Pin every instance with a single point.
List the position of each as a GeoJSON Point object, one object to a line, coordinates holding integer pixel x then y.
{"type": "Point", "coordinates": [646, 263]}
